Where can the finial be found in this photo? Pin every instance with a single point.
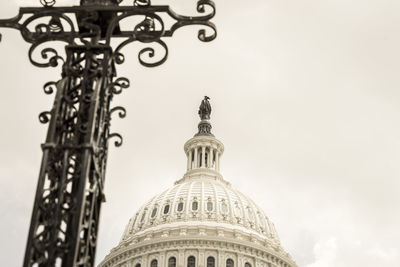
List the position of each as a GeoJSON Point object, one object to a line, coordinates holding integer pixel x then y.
{"type": "Point", "coordinates": [204, 113]}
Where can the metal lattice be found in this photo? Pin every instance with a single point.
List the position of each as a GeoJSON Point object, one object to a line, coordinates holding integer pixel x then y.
{"type": "Point", "coordinates": [69, 194]}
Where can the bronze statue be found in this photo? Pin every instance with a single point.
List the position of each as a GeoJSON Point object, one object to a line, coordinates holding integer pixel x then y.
{"type": "Point", "coordinates": [205, 109]}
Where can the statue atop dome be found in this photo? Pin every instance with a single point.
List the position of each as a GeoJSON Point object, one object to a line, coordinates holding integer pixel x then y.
{"type": "Point", "coordinates": [205, 109]}
{"type": "Point", "coordinates": [204, 113]}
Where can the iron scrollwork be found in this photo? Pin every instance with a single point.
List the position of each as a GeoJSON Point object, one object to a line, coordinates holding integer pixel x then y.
{"type": "Point", "coordinates": [60, 27]}
{"type": "Point", "coordinates": [66, 212]}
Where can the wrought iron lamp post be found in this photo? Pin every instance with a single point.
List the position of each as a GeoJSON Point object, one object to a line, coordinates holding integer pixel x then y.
{"type": "Point", "coordinates": [65, 217]}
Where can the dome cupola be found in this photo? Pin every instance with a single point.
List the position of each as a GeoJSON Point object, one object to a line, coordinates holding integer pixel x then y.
{"type": "Point", "coordinates": [203, 151]}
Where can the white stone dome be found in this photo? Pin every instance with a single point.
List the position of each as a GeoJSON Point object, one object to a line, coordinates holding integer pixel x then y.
{"type": "Point", "coordinates": [203, 200]}
{"type": "Point", "coordinates": [202, 221]}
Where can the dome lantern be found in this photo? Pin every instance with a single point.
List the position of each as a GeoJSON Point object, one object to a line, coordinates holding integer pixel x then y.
{"type": "Point", "coordinates": [203, 151]}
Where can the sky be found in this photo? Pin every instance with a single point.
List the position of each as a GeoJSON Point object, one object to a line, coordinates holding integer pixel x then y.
{"type": "Point", "coordinates": [305, 97]}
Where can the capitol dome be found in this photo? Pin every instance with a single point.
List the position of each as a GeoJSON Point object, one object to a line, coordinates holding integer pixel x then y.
{"type": "Point", "coordinates": [202, 221]}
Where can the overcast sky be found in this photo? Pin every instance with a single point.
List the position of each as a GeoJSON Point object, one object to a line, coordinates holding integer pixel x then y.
{"type": "Point", "coordinates": [305, 97]}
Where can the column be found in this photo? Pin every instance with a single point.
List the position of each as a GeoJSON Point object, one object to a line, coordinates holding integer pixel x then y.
{"type": "Point", "coordinates": [195, 158]}
{"type": "Point", "coordinates": [216, 161]}
{"type": "Point", "coordinates": [189, 162]}
{"type": "Point", "coordinates": [203, 156]}
{"type": "Point", "coordinates": [180, 261]}
{"type": "Point", "coordinates": [211, 157]}
{"type": "Point", "coordinates": [201, 259]}
{"type": "Point", "coordinates": [163, 261]}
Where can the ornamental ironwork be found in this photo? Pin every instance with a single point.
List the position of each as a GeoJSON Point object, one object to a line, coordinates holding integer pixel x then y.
{"type": "Point", "coordinates": [65, 217]}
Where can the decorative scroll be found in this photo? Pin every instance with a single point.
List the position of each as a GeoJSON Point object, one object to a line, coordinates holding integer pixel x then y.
{"type": "Point", "coordinates": [66, 212]}
{"type": "Point", "coordinates": [48, 3]}
{"type": "Point", "coordinates": [60, 27]}
{"type": "Point", "coordinates": [117, 86]}
{"type": "Point", "coordinates": [50, 56]}
{"type": "Point", "coordinates": [121, 111]}
{"type": "Point", "coordinates": [201, 20]}
{"type": "Point", "coordinates": [119, 140]}
{"type": "Point", "coordinates": [44, 117]}
{"type": "Point", "coordinates": [49, 87]}
{"type": "Point", "coordinates": [75, 151]}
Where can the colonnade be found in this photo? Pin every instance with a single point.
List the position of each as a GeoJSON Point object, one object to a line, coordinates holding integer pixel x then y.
{"type": "Point", "coordinates": [203, 156]}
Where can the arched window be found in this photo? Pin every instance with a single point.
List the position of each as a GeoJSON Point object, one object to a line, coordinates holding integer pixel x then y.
{"type": "Point", "coordinates": [137, 265]}
{"type": "Point", "coordinates": [191, 261]}
{"type": "Point", "coordinates": [172, 262]}
{"type": "Point", "coordinates": [229, 263]}
{"type": "Point", "coordinates": [209, 206]}
{"type": "Point", "coordinates": [166, 209]}
{"type": "Point", "coordinates": [210, 262]}
{"type": "Point", "coordinates": [247, 264]}
{"type": "Point", "coordinates": [195, 205]}
{"type": "Point", "coordinates": [180, 206]}
{"type": "Point", "coordinates": [153, 263]}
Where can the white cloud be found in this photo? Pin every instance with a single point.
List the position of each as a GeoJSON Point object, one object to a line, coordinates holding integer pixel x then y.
{"type": "Point", "coordinates": [390, 255]}
{"type": "Point", "coordinates": [325, 253]}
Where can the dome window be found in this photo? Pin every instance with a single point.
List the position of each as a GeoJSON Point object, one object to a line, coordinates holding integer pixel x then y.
{"type": "Point", "coordinates": [166, 209]}
{"type": "Point", "coordinates": [247, 264]}
{"type": "Point", "coordinates": [154, 212]}
{"type": "Point", "coordinates": [172, 262]}
{"type": "Point", "coordinates": [180, 206]}
{"type": "Point", "coordinates": [195, 205]}
{"type": "Point", "coordinates": [209, 206]}
{"type": "Point", "coordinates": [153, 263]}
{"type": "Point", "coordinates": [229, 263]}
{"type": "Point", "coordinates": [191, 261]}
{"type": "Point", "coordinates": [210, 262]}
{"type": "Point", "coordinates": [224, 207]}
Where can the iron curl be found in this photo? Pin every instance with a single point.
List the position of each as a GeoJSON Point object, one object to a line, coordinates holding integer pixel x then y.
{"type": "Point", "coordinates": [48, 53]}
{"type": "Point", "coordinates": [49, 87]}
{"type": "Point", "coordinates": [121, 111]}
{"type": "Point", "coordinates": [119, 140]}
{"type": "Point", "coordinates": [207, 38]}
{"type": "Point", "coordinates": [48, 3]}
{"type": "Point", "coordinates": [44, 117]}
{"type": "Point", "coordinates": [119, 84]}
{"type": "Point", "coordinates": [149, 52]}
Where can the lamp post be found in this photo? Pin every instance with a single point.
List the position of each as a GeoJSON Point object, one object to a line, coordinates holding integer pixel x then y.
{"type": "Point", "coordinates": [65, 217]}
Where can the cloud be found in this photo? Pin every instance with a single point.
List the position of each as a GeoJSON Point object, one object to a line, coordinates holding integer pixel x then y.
{"type": "Point", "coordinates": [385, 254]}
{"type": "Point", "coordinates": [325, 252]}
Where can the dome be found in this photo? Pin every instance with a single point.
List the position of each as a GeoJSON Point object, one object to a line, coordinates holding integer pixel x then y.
{"type": "Point", "coordinates": [203, 200]}
{"type": "Point", "coordinates": [201, 220]}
